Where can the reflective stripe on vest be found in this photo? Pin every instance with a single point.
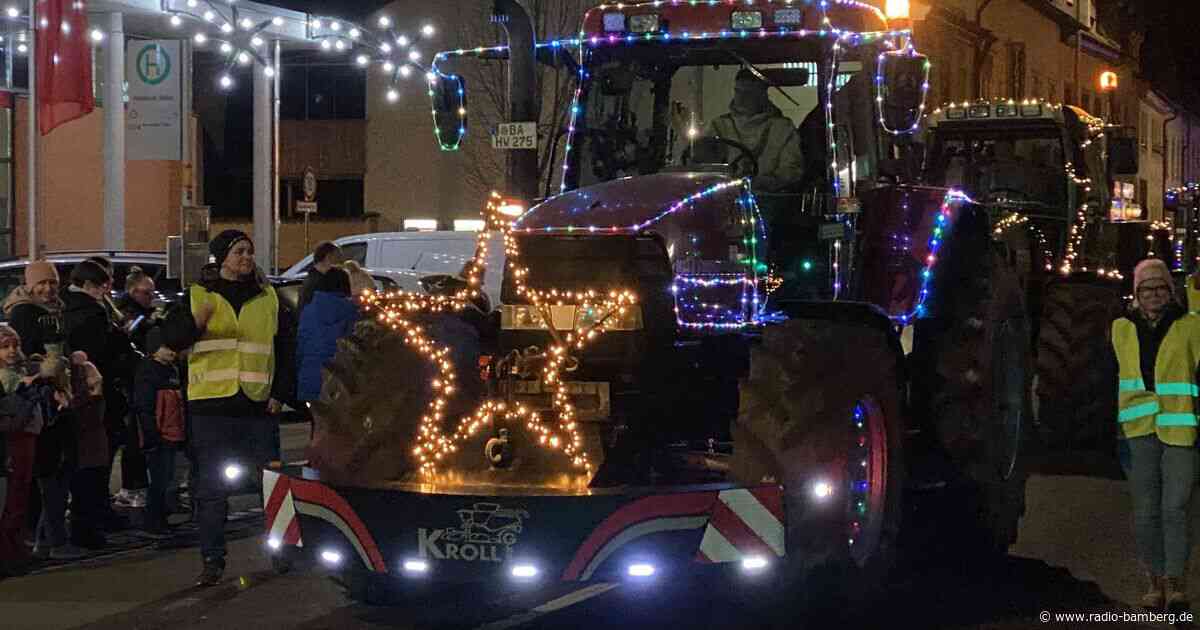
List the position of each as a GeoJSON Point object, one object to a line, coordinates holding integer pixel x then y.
{"type": "Point", "coordinates": [1132, 385]}
{"type": "Point", "coordinates": [237, 350]}
{"type": "Point", "coordinates": [1173, 401]}
{"type": "Point", "coordinates": [1129, 414]}
{"type": "Point", "coordinates": [214, 345]}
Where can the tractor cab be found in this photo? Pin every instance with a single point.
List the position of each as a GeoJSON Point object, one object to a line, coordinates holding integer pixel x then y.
{"type": "Point", "coordinates": [812, 106]}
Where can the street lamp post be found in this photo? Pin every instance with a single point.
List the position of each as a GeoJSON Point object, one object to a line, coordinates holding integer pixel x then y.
{"type": "Point", "coordinates": [1108, 82]}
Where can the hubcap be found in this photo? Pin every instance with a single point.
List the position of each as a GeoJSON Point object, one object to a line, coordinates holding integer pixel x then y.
{"type": "Point", "coordinates": [866, 475]}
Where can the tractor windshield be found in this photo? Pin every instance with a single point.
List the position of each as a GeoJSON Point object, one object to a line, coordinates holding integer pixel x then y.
{"type": "Point", "coordinates": [751, 105]}
{"type": "Point", "coordinates": [1006, 166]}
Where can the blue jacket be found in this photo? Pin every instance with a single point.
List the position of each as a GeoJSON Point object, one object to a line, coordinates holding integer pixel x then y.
{"type": "Point", "coordinates": [328, 318]}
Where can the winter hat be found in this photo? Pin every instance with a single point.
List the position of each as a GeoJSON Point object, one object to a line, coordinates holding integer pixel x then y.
{"type": "Point", "coordinates": [1149, 269]}
{"type": "Point", "coordinates": [220, 246]}
{"type": "Point", "coordinates": [39, 271]}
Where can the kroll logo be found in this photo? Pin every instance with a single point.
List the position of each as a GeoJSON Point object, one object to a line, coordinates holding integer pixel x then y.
{"type": "Point", "coordinates": [487, 533]}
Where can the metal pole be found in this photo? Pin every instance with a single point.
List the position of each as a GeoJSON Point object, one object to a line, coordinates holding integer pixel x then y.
{"type": "Point", "coordinates": [114, 135]}
{"type": "Point", "coordinates": [275, 188]}
{"type": "Point", "coordinates": [33, 135]}
{"type": "Point", "coordinates": [189, 165]}
{"type": "Point", "coordinates": [264, 229]}
{"type": "Point", "coordinates": [524, 104]}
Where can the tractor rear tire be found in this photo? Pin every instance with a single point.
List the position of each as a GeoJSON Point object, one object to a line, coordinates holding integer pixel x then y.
{"type": "Point", "coordinates": [796, 426]}
{"type": "Point", "coordinates": [373, 395]}
{"type": "Point", "coordinates": [1076, 399]}
{"type": "Point", "coordinates": [972, 383]}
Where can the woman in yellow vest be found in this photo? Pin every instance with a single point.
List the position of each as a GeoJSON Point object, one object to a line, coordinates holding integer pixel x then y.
{"type": "Point", "coordinates": [231, 370]}
{"type": "Point", "coordinates": [1158, 350]}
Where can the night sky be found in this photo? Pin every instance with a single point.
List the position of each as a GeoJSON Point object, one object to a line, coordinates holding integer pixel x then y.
{"type": "Point", "coordinates": [1170, 55]}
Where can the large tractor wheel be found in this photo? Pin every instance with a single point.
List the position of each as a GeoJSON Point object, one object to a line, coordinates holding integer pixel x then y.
{"type": "Point", "coordinates": [374, 394]}
{"type": "Point", "coordinates": [1076, 401]}
{"type": "Point", "coordinates": [820, 414]}
{"type": "Point", "coordinates": [375, 391]}
{"type": "Point", "coordinates": [972, 382]}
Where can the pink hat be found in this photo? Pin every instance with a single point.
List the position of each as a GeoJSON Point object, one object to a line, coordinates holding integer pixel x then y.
{"type": "Point", "coordinates": [1150, 269]}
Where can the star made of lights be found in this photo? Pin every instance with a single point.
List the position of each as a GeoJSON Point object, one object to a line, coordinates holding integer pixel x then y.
{"type": "Point", "coordinates": [386, 46]}
{"type": "Point", "coordinates": [237, 36]}
{"type": "Point", "coordinates": [398, 310]}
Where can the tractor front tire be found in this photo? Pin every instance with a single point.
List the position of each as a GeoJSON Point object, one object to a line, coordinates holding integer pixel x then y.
{"type": "Point", "coordinates": [821, 405]}
{"type": "Point", "coordinates": [373, 395]}
{"type": "Point", "coordinates": [972, 382]}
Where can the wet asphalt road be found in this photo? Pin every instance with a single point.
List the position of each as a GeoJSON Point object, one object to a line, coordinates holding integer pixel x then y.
{"type": "Point", "coordinates": [1074, 555]}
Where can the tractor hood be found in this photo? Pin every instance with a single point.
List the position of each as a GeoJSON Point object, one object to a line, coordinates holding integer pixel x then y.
{"type": "Point", "coordinates": [635, 204]}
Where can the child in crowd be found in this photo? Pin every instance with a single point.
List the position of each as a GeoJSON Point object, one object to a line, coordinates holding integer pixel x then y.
{"type": "Point", "coordinates": [20, 424]}
{"type": "Point", "coordinates": [89, 483]}
{"type": "Point", "coordinates": [158, 405]}
{"type": "Point", "coordinates": [56, 454]}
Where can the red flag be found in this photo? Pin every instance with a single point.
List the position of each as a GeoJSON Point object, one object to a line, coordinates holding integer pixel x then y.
{"type": "Point", "coordinates": [64, 63]}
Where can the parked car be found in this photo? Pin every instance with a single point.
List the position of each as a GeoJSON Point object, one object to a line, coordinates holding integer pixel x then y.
{"type": "Point", "coordinates": [12, 270]}
{"type": "Point", "coordinates": [406, 258]}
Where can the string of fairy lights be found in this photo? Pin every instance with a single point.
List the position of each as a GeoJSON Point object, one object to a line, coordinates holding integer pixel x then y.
{"type": "Point", "coordinates": [942, 223]}
{"type": "Point", "coordinates": [242, 39]}
{"type": "Point", "coordinates": [398, 310]}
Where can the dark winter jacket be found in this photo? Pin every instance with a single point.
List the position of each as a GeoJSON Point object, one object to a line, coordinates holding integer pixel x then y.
{"type": "Point", "coordinates": [308, 289]}
{"type": "Point", "coordinates": [328, 318]}
{"type": "Point", "coordinates": [40, 326]}
{"type": "Point", "coordinates": [158, 404]}
{"type": "Point", "coordinates": [89, 327]}
{"type": "Point", "coordinates": [88, 407]}
{"type": "Point", "coordinates": [130, 312]}
{"type": "Point", "coordinates": [18, 413]}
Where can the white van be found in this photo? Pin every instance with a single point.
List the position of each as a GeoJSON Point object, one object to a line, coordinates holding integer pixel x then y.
{"type": "Point", "coordinates": [407, 257]}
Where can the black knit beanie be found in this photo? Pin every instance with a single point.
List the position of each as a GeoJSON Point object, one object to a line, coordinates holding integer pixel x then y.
{"type": "Point", "coordinates": [219, 247]}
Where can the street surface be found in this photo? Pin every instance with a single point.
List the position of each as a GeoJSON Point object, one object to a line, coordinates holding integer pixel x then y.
{"type": "Point", "coordinates": [1075, 555]}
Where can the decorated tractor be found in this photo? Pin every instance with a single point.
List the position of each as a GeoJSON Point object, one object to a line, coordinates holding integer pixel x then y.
{"type": "Point", "coordinates": [1047, 174]}
{"type": "Point", "coordinates": [731, 339]}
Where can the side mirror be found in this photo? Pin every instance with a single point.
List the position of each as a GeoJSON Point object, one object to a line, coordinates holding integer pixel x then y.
{"type": "Point", "coordinates": [449, 96]}
{"type": "Point", "coordinates": [901, 84]}
{"type": "Point", "coordinates": [1122, 156]}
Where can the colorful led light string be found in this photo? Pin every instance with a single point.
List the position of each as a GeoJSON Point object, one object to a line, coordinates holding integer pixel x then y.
{"type": "Point", "coordinates": [942, 223]}
{"type": "Point", "coordinates": [909, 51]}
{"type": "Point", "coordinates": [395, 309]}
{"type": "Point", "coordinates": [860, 485]}
{"type": "Point", "coordinates": [585, 43]}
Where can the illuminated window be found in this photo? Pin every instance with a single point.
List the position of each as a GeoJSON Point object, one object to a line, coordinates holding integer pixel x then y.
{"type": "Point", "coordinates": [420, 225]}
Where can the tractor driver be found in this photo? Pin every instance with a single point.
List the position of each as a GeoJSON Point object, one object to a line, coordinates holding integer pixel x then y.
{"type": "Point", "coordinates": [759, 125]}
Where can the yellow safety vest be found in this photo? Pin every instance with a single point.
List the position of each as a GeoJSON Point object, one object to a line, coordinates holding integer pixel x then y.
{"type": "Point", "coordinates": [1170, 410]}
{"type": "Point", "coordinates": [237, 349]}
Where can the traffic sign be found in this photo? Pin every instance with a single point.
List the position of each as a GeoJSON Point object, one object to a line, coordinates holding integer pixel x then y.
{"type": "Point", "coordinates": [309, 185]}
{"type": "Point", "coordinates": [306, 207]}
{"type": "Point", "coordinates": [511, 136]}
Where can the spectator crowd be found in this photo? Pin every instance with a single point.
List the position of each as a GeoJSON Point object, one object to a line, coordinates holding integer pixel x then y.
{"type": "Point", "coordinates": [94, 385]}
{"type": "Point", "coordinates": [81, 372]}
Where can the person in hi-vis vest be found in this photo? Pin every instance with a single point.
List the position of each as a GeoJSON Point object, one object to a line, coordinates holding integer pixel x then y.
{"type": "Point", "coordinates": [230, 375]}
{"type": "Point", "coordinates": [1157, 348]}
